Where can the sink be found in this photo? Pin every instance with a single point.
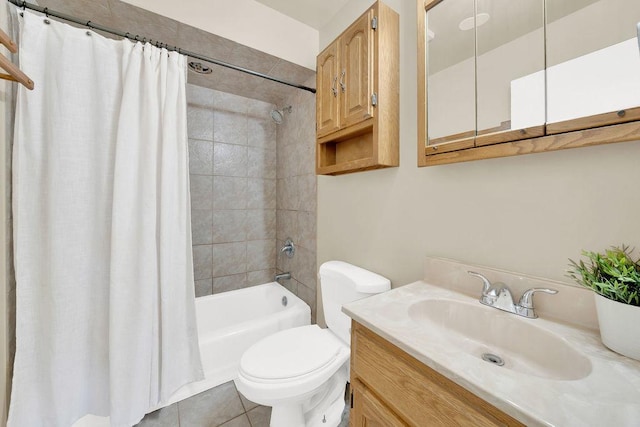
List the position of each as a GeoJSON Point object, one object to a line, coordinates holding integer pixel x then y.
{"type": "Point", "coordinates": [479, 330]}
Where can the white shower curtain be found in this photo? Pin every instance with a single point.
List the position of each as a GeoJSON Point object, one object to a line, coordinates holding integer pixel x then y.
{"type": "Point", "coordinates": [105, 298]}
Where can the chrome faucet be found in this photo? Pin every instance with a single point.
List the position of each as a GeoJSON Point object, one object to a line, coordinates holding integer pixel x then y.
{"type": "Point", "coordinates": [499, 296]}
{"type": "Point", "coordinates": [282, 276]}
{"type": "Point", "coordinates": [288, 248]}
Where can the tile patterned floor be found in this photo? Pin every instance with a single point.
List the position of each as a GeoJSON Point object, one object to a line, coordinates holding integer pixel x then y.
{"type": "Point", "coordinates": [221, 406]}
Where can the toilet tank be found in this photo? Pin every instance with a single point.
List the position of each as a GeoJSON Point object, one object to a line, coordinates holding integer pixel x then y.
{"type": "Point", "coordinates": [342, 283]}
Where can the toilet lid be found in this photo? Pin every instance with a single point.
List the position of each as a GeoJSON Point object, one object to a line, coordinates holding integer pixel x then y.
{"type": "Point", "coordinates": [291, 353]}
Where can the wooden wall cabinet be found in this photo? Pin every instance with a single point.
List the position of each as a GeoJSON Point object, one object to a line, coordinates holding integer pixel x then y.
{"type": "Point", "coordinates": [391, 388]}
{"type": "Point", "coordinates": [358, 95]}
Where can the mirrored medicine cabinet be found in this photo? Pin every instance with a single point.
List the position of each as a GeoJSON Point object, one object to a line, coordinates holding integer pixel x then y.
{"type": "Point", "coordinates": [499, 78]}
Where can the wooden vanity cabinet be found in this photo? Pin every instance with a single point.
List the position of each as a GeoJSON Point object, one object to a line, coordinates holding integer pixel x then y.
{"type": "Point", "coordinates": [358, 94]}
{"type": "Point", "coordinates": [391, 388]}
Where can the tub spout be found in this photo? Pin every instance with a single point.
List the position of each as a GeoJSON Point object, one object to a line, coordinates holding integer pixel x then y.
{"type": "Point", "coordinates": [285, 276]}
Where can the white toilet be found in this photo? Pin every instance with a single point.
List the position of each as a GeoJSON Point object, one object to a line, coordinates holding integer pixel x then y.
{"type": "Point", "coordinates": [302, 372]}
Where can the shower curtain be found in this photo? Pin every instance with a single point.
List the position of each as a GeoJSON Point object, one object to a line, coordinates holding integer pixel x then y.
{"type": "Point", "coordinates": [105, 299]}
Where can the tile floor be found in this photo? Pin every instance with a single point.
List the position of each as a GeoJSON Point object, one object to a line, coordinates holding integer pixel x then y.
{"type": "Point", "coordinates": [221, 406]}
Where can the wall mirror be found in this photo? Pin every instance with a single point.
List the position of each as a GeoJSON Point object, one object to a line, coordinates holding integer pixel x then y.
{"type": "Point", "coordinates": [499, 78]}
{"type": "Point", "coordinates": [593, 62]}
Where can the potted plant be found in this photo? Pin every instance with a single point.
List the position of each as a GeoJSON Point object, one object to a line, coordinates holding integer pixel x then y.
{"type": "Point", "coordinates": [614, 276]}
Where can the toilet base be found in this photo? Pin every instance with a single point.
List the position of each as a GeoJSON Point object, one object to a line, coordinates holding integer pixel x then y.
{"type": "Point", "coordinates": [323, 409]}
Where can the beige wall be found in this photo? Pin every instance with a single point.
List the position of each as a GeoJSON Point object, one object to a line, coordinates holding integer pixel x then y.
{"type": "Point", "coordinates": [247, 22]}
{"type": "Point", "coordinates": [526, 214]}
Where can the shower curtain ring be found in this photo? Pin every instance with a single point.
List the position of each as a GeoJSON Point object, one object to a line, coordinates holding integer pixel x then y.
{"type": "Point", "coordinates": [24, 5]}
{"type": "Point", "coordinates": [46, 12]}
{"type": "Point", "coordinates": [88, 24]}
{"type": "Point", "coordinates": [144, 40]}
{"type": "Point", "coordinates": [136, 38]}
{"type": "Point", "coordinates": [126, 35]}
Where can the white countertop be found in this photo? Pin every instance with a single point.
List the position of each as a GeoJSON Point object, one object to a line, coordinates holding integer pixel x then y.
{"type": "Point", "coordinates": [608, 396]}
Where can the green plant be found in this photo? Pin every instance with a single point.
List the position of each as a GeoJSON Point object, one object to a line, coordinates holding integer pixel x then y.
{"type": "Point", "coordinates": [613, 274]}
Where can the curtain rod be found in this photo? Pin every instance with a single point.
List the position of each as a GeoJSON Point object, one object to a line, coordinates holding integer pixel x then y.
{"type": "Point", "coordinates": [90, 24]}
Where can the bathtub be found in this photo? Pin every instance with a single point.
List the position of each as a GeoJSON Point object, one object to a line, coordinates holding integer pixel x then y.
{"type": "Point", "coordinates": [231, 322]}
{"type": "Point", "coordinates": [228, 324]}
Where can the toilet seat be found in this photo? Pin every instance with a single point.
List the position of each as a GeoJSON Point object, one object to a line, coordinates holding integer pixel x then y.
{"type": "Point", "coordinates": [291, 354]}
{"type": "Point", "coordinates": [295, 362]}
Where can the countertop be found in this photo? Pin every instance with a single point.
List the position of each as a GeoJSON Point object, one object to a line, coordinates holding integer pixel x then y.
{"type": "Point", "coordinates": [608, 396]}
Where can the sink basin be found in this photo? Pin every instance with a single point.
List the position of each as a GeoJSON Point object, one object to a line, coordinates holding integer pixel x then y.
{"type": "Point", "coordinates": [479, 330]}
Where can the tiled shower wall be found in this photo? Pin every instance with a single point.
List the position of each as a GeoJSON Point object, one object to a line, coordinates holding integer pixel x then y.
{"type": "Point", "coordinates": [296, 195]}
{"type": "Point", "coordinates": [232, 165]}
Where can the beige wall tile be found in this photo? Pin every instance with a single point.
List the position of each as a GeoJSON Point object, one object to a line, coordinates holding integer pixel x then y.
{"type": "Point", "coordinates": [229, 192]}
{"type": "Point", "coordinates": [203, 287]}
{"type": "Point", "coordinates": [199, 97]}
{"type": "Point", "coordinates": [231, 103]}
{"type": "Point", "coordinates": [229, 283]}
{"type": "Point", "coordinates": [287, 225]}
{"type": "Point", "coordinates": [261, 193]}
{"type": "Point", "coordinates": [261, 224]}
{"type": "Point", "coordinates": [229, 226]}
{"type": "Point", "coordinates": [305, 272]}
{"type": "Point", "coordinates": [229, 159]}
{"type": "Point", "coordinates": [307, 230]}
{"type": "Point", "coordinates": [229, 258]}
{"type": "Point", "coordinates": [260, 254]}
{"type": "Point", "coordinates": [201, 187]}
{"type": "Point", "coordinates": [262, 132]}
{"type": "Point", "coordinates": [261, 163]}
{"type": "Point", "coordinates": [229, 127]}
{"type": "Point", "coordinates": [260, 277]}
{"type": "Point", "coordinates": [201, 226]}
{"type": "Point", "coordinates": [200, 122]}
{"type": "Point", "coordinates": [200, 157]}
{"type": "Point", "coordinates": [202, 261]}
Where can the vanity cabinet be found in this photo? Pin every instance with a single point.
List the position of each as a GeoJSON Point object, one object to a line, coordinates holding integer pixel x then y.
{"type": "Point", "coordinates": [504, 78]}
{"type": "Point", "coordinates": [391, 388]}
{"type": "Point", "coordinates": [358, 94]}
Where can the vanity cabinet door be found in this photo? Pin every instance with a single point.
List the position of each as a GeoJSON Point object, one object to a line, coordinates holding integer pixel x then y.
{"type": "Point", "coordinates": [593, 63]}
{"type": "Point", "coordinates": [510, 70]}
{"type": "Point", "coordinates": [450, 78]}
{"type": "Point", "coordinates": [327, 89]}
{"type": "Point", "coordinates": [356, 71]}
{"type": "Point", "coordinates": [369, 411]}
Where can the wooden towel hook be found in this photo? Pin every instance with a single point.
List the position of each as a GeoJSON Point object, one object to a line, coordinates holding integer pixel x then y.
{"type": "Point", "coordinates": [15, 73]}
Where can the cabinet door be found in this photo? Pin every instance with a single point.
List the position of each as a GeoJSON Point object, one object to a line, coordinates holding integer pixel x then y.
{"type": "Point", "coordinates": [356, 72]}
{"type": "Point", "coordinates": [593, 64]}
{"type": "Point", "coordinates": [368, 411]}
{"type": "Point", "coordinates": [327, 91]}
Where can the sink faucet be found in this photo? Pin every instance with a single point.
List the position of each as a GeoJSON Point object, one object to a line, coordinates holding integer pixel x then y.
{"type": "Point", "coordinates": [499, 296]}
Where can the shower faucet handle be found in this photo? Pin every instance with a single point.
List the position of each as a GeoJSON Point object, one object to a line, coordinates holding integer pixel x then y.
{"type": "Point", "coordinates": [288, 248]}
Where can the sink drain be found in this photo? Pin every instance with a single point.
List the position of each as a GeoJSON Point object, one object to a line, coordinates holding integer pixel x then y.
{"type": "Point", "coordinates": [492, 358]}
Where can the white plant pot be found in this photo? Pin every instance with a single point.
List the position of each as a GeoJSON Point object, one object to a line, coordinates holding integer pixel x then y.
{"type": "Point", "coordinates": [618, 326]}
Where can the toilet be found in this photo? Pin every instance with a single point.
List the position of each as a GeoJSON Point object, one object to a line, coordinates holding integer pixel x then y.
{"type": "Point", "coordinates": [302, 372]}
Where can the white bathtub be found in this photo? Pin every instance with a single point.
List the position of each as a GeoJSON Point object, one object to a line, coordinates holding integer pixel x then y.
{"type": "Point", "coordinates": [228, 324]}
{"type": "Point", "coordinates": [231, 322]}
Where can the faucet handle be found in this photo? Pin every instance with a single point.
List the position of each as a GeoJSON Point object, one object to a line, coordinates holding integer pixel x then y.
{"type": "Point", "coordinates": [486, 283]}
{"type": "Point", "coordinates": [526, 300]}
